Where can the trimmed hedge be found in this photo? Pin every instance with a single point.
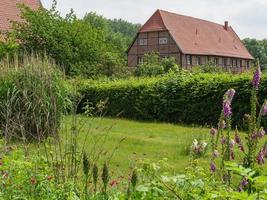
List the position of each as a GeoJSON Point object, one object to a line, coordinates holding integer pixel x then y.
{"type": "Point", "coordinates": [192, 99]}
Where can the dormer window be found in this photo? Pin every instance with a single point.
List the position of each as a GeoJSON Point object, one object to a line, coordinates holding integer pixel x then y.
{"type": "Point", "coordinates": [163, 40]}
{"type": "Point", "coordinates": [143, 42]}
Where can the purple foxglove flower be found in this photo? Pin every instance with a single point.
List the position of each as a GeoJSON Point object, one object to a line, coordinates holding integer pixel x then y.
{"type": "Point", "coordinates": [244, 181]}
{"type": "Point", "coordinates": [243, 184]}
{"type": "Point", "coordinates": [254, 136]}
{"type": "Point", "coordinates": [232, 144]}
{"type": "Point", "coordinates": [213, 131]}
{"type": "Point", "coordinates": [260, 157]}
{"type": "Point", "coordinates": [213, 167]}
{"type": "Point", "coordinates": [264, 110]}
{"type": "Point", "coordinates": [237, 139]}
{"type": "Point", "coordinates": [261, 133]}
{"type": "Point", "coordinates": [256, 78]}
{"type": "Point", "coordinates": [229, 95]}
{"type": "Point", "coordinates": [227, 110]}
{"type": "Point", "coordinates": [215, 154]}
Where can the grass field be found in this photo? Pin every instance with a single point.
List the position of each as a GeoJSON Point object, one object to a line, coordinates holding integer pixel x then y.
{"type": "Point", "coordinates": [142, 140]}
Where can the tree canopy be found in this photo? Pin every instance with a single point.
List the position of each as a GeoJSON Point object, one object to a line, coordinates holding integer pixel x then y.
{"type": "Point", "coordinates": [92, 46]}
{"type": "Point", "coordinates": [258, 49]}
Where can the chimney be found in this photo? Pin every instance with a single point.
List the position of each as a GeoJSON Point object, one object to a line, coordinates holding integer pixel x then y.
{"type": "Point", "coordinates": [226, 25]}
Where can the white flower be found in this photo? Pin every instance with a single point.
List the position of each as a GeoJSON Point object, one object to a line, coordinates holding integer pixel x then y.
{"type": "Point", "coordinates": [204, 144]}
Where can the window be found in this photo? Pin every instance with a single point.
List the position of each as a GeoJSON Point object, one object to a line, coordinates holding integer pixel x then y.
{"type": "Point", "coordinates": [239, 63]}
{"type": "Point", "coordinates": [234, 62]}
{"type": "Point", "coordinates": [216, 61]}
{"type": "Point", "coordinates": [142, 42]}
{"type": "Point", "coordinates": [225, 62]}
{"type": "Point", "coordinates": [188, 60]}
{"type": "Point", "coordinates": [198, 60]}
{"type": "Point", "coordinates": [163, 40]}
{"type": "Point", "coordinates": [248, 64]}
{"type": "Point", "coordinates": [208, 60]}
{"type": "Point", "coordinates": [140, 60]}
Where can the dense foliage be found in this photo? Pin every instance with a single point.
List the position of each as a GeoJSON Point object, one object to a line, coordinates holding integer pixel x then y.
{"type": "Point", "coordinates": [89, 47]}
{"type": "Point", "coordinates": [32, 99]}
{"type": "Point", "coordinates": [118, 32]}
{"type": "Point", "coordinates": [154, 65]}
{"type": "Point", "coordinates": [173, 98]}
{"type": "Point", "coordinates": [8, 48]}
{"type": "Point", "coordinates": [258, 49]}
{"type": "Point", "coordinates": [27, 176]}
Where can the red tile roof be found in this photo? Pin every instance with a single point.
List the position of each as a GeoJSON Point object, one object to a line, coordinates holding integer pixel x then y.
{"type": "Point", "coordinates": [197, 36]}
{"type": "Point", "coordinates": [10, 12]}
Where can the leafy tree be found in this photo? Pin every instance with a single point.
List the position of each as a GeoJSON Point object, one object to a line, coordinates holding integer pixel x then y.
{"type": "Point", "coordinates": [8, 47]}
{"type": "Point", "coordinates": [125, 28]}
{"type": "Point", "coordinates": [119, 33]}
{"type": "Point", "coordinates": [258, 49]}
{"type": "Point", "coordinates": [81, 47]}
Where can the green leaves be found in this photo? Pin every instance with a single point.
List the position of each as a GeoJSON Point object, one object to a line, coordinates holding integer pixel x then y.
{"type": "Point", "coordinates": [84, 47]}
{"type": "Point", "coordinates": [193, 99]}
{"type": "Point", "coordinates": [240, 170]}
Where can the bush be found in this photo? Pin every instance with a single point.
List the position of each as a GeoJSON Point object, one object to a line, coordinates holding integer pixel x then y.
{"type": "Point", "coordinates": [32, 99]}
{"type": "Point", "coordinates": [207, 68]}
{"type": "Point", "coordinates": [153, 65]}
{"type": "Point", "coordinates": [8, 47]}
{"type": "Point", "coordinates": [193, 99]}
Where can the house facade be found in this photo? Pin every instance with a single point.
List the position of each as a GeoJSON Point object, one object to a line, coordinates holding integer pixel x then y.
{"type": "Point", "coordinates": [191, 41]}
{"type": "Point", "coordinates": [9, 11]}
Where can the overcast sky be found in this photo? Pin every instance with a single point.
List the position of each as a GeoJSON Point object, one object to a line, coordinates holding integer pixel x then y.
{"type": "Point", "coordinates": [247, 17]}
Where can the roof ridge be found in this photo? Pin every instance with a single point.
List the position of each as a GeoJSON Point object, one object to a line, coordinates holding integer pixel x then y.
{"type": "Point", "coordinates": [190, 17]}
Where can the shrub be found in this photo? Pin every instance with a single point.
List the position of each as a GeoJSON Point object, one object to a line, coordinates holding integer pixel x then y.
{"type": "Point", "coordinates": [153, 65]}
{"type": "Point", "coordinates": [32, 99]}
{"type": "Point", "coordinates": [207, 68]}
{"type": "Point", "coordinates": [8, 47]}
{"type": "Point", "coordinates": [192, 99]}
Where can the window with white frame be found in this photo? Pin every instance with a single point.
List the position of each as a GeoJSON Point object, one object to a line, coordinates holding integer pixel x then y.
{"type": "Point", "coordinates": [198, 60]}
{"type": "Point", "coordinates": [163, 40]}
{"type": "Point", "coordinates": [143, 42]}
{"type": "Point", "coordinates": [140, 60]}
{"type": "Point", "coordinates": [188, 60]}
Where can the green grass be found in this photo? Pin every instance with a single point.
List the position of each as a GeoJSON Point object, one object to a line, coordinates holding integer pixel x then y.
{"type": "Point", "coordinates": [142, 140]}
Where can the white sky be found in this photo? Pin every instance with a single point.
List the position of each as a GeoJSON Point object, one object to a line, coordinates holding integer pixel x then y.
{"type": "Point", "coordinates": [247, 17]}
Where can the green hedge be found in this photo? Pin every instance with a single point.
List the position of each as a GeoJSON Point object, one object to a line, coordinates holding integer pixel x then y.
{"type": "Point", "coordinates": [192, 99]}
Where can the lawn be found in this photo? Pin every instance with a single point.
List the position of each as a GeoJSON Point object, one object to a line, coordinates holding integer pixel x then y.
{"type": "Point", "coordinates": [142, 140]}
